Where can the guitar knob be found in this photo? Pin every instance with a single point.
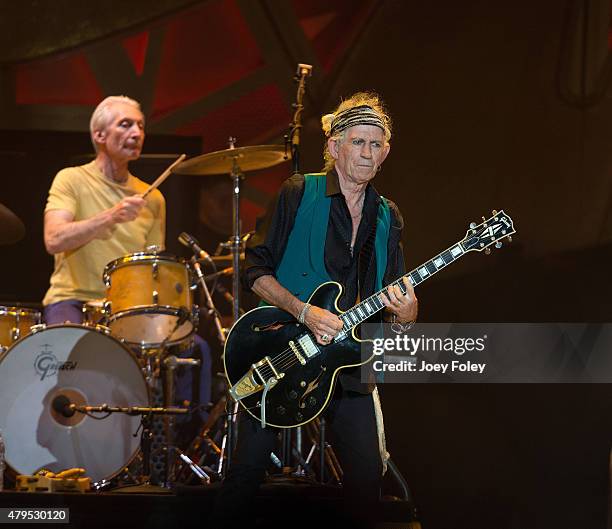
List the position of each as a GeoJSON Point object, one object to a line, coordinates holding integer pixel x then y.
{"type": "Point", "coordinates": [472, 225]}
{"type": "Point", "coordinates": [280, 410]}
{"type": "Point", "coordinates": [487, 251]}
{"type": "Point", "coordinates": [498, 244]}
{"type": "Point", "coordinates": [494, 212]}
{"type": "Point", "coordinates": [299, 417]}
{"type": "Point", "coordinates": [509, 238]}
{"type": "Point", "coordinates": [293, 394]}
{"type": "Point", "coordinates": [312, 401]}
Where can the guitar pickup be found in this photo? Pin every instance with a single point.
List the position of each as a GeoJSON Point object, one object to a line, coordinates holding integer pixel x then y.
{"type": "Point", "coordinates": [248, 384]}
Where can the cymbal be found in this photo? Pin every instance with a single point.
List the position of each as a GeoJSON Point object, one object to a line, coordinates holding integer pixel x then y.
{"type": "Point", "coordinates": [11, 227]}
{"type": "Point", "coordinates": [250, 158]}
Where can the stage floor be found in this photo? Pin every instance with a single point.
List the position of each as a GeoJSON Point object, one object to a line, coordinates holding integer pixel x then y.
{"type": "Point", "coordinates": [277, 505]}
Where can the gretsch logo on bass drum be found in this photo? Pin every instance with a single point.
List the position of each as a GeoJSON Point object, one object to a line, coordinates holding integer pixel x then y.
{"type": "Point", "coordinates": [47, 364]}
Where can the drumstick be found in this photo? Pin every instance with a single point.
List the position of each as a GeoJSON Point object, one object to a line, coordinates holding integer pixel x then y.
{"type": "Point", "coordinates": [163, 176]}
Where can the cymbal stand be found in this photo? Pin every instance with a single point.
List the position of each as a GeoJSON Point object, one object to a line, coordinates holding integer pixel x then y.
{"type": "Point", "coordinates": [193, 459]}
{"type": "Point", "coordinates": [235, 248]}
{"type": "Point", "coordinates": [327, 457]}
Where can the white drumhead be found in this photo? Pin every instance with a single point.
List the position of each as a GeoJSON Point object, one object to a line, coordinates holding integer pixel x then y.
{"type": "Point", "coordinates": [150, 326]}
{"type": "Point", "coordinates": [90, 368]}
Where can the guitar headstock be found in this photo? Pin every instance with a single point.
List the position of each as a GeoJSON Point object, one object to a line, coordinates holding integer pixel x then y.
{"type": "Point", "coordinates": [489, 232]}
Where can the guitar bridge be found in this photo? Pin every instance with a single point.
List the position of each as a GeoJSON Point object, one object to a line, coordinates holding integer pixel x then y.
{"type": "Point", "coordinates": [249, 385]}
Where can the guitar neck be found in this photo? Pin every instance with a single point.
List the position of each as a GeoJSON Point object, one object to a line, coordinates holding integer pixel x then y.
{"type": "Point", "coordinates": [360, 312]}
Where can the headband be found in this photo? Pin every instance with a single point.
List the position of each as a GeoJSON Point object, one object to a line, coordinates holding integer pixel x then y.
{"type": "Point", "coordinates": [361, 115]}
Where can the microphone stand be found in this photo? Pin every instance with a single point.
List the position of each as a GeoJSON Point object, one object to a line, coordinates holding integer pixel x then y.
{"type": "Point", "coordinates": [209, 302]}
{"type": "Point", "coordinates": [228, 438]}
{"type": "Point", "coordinates": [146, 413]}
{"type": "Point", "coordinates": [303, 71]}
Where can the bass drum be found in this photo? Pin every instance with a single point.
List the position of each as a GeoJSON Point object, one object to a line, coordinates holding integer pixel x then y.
{"type": "Point", "coordinates": [61, 364]}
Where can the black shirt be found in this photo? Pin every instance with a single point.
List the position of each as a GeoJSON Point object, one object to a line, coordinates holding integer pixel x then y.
{"type": "Point", "coordinates": [266, 247]}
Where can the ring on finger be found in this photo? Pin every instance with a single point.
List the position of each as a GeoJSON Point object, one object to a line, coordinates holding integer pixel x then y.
{"type": "Point", "coordinates": [325, 337]}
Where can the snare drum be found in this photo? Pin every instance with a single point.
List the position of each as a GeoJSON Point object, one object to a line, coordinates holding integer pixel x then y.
{"type": "Point", "coordinates": [54, 366]}
{"type": "Point", "coordinates": [15, 322]}
{"type": "Point", "coordinates": [150, 299]}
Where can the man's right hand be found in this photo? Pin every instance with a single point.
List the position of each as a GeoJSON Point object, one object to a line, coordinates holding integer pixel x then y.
{"type": "Point", "coordinates": [128, 209]}
{"type": "Point", "coordinates": [323, 323]}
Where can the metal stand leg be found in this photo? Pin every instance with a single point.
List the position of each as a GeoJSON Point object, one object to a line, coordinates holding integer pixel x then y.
{"type": "Point", "coordinates": [322, 449]}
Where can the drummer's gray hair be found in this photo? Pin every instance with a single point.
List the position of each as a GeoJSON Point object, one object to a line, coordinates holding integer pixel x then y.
{"type": "Point", "coordinates": [103, 115]}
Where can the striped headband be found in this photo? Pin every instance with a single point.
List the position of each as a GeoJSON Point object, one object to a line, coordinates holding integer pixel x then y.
{"type": "Point", "coordinates": [361, 115]}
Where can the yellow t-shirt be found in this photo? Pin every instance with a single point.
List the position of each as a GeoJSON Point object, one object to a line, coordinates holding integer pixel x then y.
{"type": "Point", "coordinates": [84, 191]}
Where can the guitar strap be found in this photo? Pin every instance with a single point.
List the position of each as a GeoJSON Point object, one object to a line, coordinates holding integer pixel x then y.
{"type": "Point", "coordinates": [378, 238]}
{"type": "Point", "coordinates": [365, 257]}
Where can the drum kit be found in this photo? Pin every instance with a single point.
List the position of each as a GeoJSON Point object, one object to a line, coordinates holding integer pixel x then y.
{"type": "Point", "coordinates": [58, 381]}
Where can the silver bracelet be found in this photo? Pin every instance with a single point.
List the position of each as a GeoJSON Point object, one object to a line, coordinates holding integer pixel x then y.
{"type": "Point", "coordinates": [400, 328]}
{"type": "Point", "coordinates": [302, 317]}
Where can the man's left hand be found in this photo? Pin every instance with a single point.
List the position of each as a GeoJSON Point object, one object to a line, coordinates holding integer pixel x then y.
{"type": "Point", "coordinates": [404, 306]}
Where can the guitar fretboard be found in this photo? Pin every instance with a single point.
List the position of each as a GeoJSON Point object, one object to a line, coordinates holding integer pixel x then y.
{"type": "Point", "coordinates": [359, 313]}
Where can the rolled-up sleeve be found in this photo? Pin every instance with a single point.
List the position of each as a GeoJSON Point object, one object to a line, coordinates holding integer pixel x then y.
{"type": "Point", "coordinates": [265, 249]}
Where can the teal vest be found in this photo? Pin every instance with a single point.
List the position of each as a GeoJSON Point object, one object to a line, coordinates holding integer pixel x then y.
{"type": "Point", "coordinates": [302, 268]}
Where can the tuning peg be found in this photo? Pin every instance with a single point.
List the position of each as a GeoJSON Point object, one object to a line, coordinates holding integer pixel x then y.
{"type": "Point", "coordinates": [472, 225]}
{"type": "Point", "coordinates": [498, 245]}
{"type": "Point", "coordinates": [487, 250]}
{"type": "Point", "coordinates": [509, 238]}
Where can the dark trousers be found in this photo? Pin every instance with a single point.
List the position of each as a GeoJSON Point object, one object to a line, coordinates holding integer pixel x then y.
{"type": "Point", "coordinates": [351, 424]}
{"type": "Point", "coordinates": [186, 387]}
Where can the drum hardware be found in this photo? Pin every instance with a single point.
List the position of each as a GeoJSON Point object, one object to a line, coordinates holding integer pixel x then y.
{"type": "Point", "coordinates": [201, 446]}
{"type": "Point", "coordinates": [216, 275]}
{"type": "Point", "coordinates": [194, 467]}
{"type": "Point", "coordinates": [225, 260]}
{"type": "Point", "coordinates": [94, 312]}
{"type": "Point", "coordinates": [170, 364]}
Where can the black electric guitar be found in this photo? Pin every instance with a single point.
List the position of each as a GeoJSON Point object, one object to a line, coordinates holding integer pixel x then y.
{"type": "Point", "coordinates": [278, 371]}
